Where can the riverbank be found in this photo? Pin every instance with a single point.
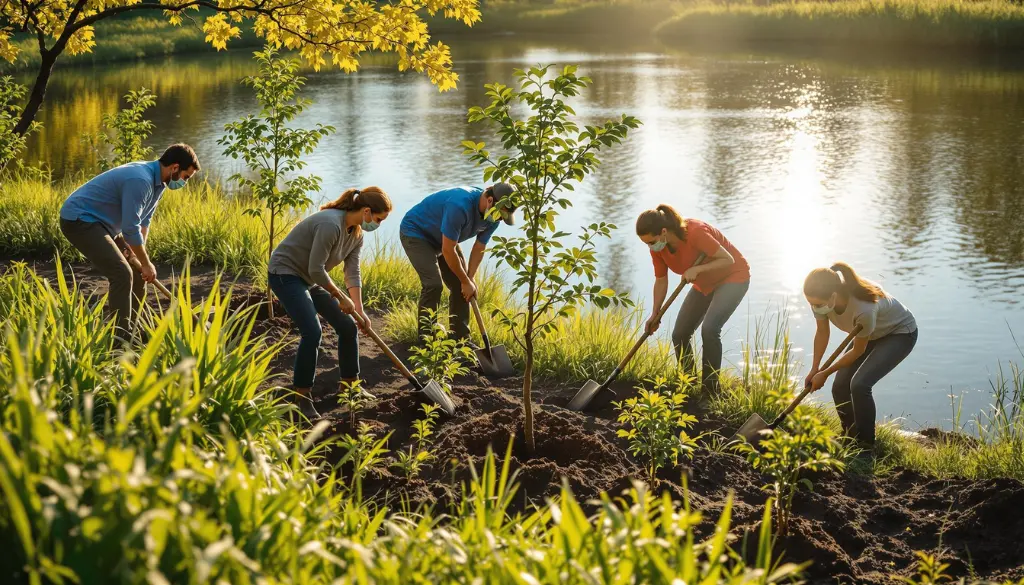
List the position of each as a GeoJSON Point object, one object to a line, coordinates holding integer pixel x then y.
{"type": "Point", "coordinates": [853, 527]}
{"type": "Point", "coordinates": [204, 226]}
{"type": "Point", "coordinates": [865, 24]}
{"type": "Point", "coordinates": [986, 25]}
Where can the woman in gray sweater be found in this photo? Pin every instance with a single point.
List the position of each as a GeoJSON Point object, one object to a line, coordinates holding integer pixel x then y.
{"type": "Point", "coordinates": [888, 333]}
{"type": "Point", "coordinates": [299, 277]}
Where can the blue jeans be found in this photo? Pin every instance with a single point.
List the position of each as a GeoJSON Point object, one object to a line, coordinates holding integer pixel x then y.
{"type": "Point", "coordinates": [303, 302]}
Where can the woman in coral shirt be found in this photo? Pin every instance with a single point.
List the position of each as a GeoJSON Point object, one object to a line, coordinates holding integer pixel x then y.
{"type": "Point", "coordinates": [719, 283]}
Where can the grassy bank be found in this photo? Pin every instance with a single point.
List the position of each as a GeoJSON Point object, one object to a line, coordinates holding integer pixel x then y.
{"type": "Point", "coordinates": [127, 38]}
{"type": "Point", "coordinates": [867, 24]}
{"type": "Point", "coordinates": [624, 18]}
{"type": "Point", "coordinates": [202, 225]}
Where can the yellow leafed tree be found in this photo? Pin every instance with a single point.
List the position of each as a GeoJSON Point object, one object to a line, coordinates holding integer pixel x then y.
{"type": "Point", "coordinates": [334, 31]}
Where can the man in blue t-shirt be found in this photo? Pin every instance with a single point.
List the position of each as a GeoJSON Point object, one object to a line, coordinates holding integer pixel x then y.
{"type": "Point", "coordinates": [430, 233]}
{"type": "Point", "coordinates": [121, 202]}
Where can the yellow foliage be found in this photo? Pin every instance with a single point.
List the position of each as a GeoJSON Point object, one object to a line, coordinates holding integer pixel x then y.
{"type": "Point", "coordinates": [338, 30]}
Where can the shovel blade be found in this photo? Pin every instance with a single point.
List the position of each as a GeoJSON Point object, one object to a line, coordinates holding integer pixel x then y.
{"type": "Point", "coordinates": [585, 396]}
{"type": "Point", "coordinates": [438, 396]}
{"type": "Point", "coordinates": [495, 363]}
{"type": "Point", "coordinates": [752, 430]}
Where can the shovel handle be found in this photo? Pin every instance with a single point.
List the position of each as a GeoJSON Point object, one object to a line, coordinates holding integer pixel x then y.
{"type": "Point", "coordinates": [807, 387]}
{"type": "Point", "coordinates": [476, 306]}
{"type": "Point", "coordinates": [134, 261]}
{"type": "Point", "coordinates": [387, 350]}
{"type": "Point", "coordinates": [643, 338]}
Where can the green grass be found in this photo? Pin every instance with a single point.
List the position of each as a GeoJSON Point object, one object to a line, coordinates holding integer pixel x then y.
{"type": "Point", "coordinates": [168, 464]}
{"type": "Point", "coordinates": [993, 24]}
{"type": "Point", "coordinates": [624, 18]}
{"type": "Point", "coordinates": [202, 224]}
{"type": "Point", "coordinates": [128, 38]}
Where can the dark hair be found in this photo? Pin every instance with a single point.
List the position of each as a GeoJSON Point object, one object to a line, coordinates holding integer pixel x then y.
{"type": "Point", "coordinates": [823, 282]}
{"type": "Point", "coordinates": [652, 221]}
{"type": "Point", "coordinates": [181, 155]}
{"type": "Point", "coordinates": [358, 199]}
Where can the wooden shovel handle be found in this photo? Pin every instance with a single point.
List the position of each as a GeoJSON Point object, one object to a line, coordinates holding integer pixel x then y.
{"type": "Point", "coordinates": [134, 261]}
{"type": "Point", "coordinates": [473, 303]}
{"type": "Point", "coordinates": [807, 387]}
{"type": "Point", "coordinates": [387, 350]}
{"type": "Point", "coordinates": [661, 313]}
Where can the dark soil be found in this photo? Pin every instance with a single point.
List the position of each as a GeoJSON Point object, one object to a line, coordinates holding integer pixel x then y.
{"type": "Point", "coordinates": [853, 528]}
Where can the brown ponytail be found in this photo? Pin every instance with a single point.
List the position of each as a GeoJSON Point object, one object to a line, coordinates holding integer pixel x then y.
{"type": "Point", "coordinates": [357, 199]}
{"type": "Point", "coordinates": [652, 221]}
{"type": "Point", "coordinates": [840, 278]}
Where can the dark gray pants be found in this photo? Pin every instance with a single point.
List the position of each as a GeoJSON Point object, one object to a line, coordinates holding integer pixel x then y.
{"type": "Point", "coordinates": [126, 285]}
{"type": "Point", "coordinates": [851, 389]}
{"type": "Point", "coordinates": [434, 275]}
{"type": "Point", "coordinates": [713, 310]}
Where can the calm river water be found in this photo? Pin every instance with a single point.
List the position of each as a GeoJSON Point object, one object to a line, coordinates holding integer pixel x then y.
{"type": "Point", "coordinates": [910, 172]}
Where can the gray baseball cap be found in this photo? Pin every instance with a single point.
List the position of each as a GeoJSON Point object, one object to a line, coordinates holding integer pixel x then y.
{"type": "Point", "coordinates": [501, 191]}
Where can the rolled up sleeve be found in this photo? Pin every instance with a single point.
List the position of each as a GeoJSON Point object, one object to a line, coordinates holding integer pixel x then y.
{"type": "Point", "coordinates": [324, 240]}
{"type": "Point", "coordinates": [134, 196]}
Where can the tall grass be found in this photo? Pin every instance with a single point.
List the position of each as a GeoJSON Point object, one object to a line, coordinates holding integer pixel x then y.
{"type": "Point", "coordinates": [200, 224]}
{"type": "Point", "coordinates": [867, 23]}
{"type": "Point", "coordinates": [152, 466]}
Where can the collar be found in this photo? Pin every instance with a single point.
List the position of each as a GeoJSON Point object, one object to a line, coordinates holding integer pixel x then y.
{"type": "Point", "coordinates": [155, 166]}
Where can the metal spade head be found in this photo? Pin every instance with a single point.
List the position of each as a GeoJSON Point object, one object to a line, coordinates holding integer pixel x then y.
{"type": "Point", "coordinates": [436, 393]}
{"type": "Point", "coordinates": [587, 394]}
{"type": "Point", "coordinates": [752, 430]}
{"type": "Point", "coordinates": [495, 363]}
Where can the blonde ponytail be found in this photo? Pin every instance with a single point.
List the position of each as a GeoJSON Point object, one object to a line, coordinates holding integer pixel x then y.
{"type": "Point", "coordinates": [822, 283]}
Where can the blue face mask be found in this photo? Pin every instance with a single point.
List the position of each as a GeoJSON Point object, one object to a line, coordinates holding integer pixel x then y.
{"type": "Point", "coordinates": [175, 184]}
{"type": "Point", "coordinates": [658, 246]}
{"type": "Point", "coordinates": [369, 226]}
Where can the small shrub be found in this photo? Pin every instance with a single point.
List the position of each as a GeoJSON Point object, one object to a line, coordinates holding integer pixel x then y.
{"type": "Point", "coordinates": [411, 461]}
{"type": "Point", "coordinates": [126, 131]}
{"type": "Point", "coordinates": [439, 357]}
{"type": "Point", "coordinates": [352, 396]}
{"type": "Point", "coordinates": [365, 453]}
{"type": "Point", "coordinates": [785, 454]}
{"type": "Point", "coordinates": [658, 425]}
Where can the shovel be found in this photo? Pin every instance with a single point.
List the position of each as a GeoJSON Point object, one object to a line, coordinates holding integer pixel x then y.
{"type": "Point", "coordinates": [753, 429]}
{"type": "Point", "coordinates": [592, 388]}
{"type": "Point", "coordinates": [159, 286]}
{"type": "Point", "coordinates": [432, 389]}
{"type": "Point", "coordinates": [494, 360]}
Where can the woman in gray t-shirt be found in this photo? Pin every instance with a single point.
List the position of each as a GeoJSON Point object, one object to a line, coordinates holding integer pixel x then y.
{"type": "Point", "coordinates": [888, 333]}
{"type": "Point", "coordinates": [299, 276]}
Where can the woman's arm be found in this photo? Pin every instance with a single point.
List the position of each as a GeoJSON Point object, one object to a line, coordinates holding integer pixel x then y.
{"type": "Point", "coordinates": [720, 259]}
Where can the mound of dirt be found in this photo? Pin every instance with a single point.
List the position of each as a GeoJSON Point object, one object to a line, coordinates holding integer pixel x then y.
{"type": "Point", "coordinates": [852, 528]}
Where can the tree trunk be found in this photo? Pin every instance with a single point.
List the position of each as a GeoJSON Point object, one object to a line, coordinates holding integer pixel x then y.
{"type": "Point", "coordinates": [35, 97]}
{"type": "Point", "coordinates": [527, 398]}
{"type": "Point", "coordinates": [270, 252]}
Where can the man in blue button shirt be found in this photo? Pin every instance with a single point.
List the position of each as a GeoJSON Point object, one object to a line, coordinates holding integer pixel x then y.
{"type": "Point", "coordinates": [430, 233]}
{"type": "Point", "coordinates": [122, 201]}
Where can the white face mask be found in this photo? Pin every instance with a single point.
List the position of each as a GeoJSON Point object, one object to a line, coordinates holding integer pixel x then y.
{"type": "Point", "coordinates": [658, 246]}
{"type": "Point", "coordinates": [826, 309]}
